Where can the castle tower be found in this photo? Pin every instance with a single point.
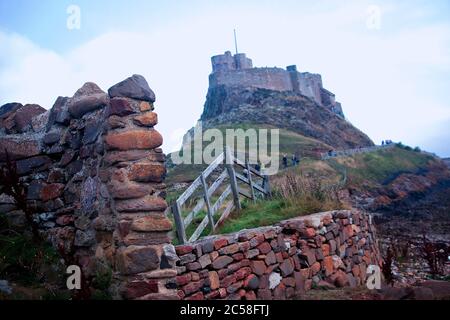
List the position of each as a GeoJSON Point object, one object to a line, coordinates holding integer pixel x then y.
{"type": "Point", "coordinates": [227, 62]}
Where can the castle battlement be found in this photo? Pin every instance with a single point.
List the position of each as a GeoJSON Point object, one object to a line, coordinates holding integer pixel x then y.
{"type": "Point", "coordinates": [238, 71]}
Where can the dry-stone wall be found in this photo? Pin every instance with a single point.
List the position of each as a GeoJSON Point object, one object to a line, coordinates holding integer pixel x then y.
{"type": "Point", "coordinates": [280, 262]}
{"type": "Point", "coordinates": [94, 173]}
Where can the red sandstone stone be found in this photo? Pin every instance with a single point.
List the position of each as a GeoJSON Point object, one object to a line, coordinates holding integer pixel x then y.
{"type": "Point", "coordinates": [308, 233]}
{"type": "Point", "coordinates": [243, 272]}
{"type": "Point", "coordinates": [145, 106]}
{"type": "Point", "coordinates": [315, 268]}
{"type": "Point", "coordinates": [197, 296]}
{"type": "Point", "coordinates": [220, 243]}
{"type": "Point", "coordinates": [148, 119]}
{"type": "Point", "coordinates": [146, 172]}
{"type": "Point", "coordinates": [233, 248]}
{"type": "Point", "coordinates": [151, 223]}
{"type": "Point", "coordinates": [228, 280]}
{"type": "Point", "coordinates": [250, 296]}
{"type": "Point", "coordinates": [183, 279]}
{"type": "Point", "coordinates": [222, 262]}
{"type": "Point", "coordinates": [134, 139]}
{"type": "Point", "coordinates": [51, 191]}
{"type": "Point", "coordinates": [214, 281]}
{"type": "Point", "coordinates": [287, 268]}
{"type": "Point", "coordinates": [192, 287]}
{"type": "Point", "coordinates": [326, 250]}
{"type": "Point", "coordinates": [183, 249]}
{"type": "Point", "coordinates": [264, 248]}
{"type": "Point", "coordinates": [264, 294]}
{"type": "Point", "coordinates": [234, 287]}
{"type": "Point", "coordinates": [328, 265]}
{"type": "Point", "coordinates": [136, 289]}
{"type": "Point", "coordinates": [258, 267]}
{"type": "Point", "coordinates": [149, 203]}
{"type": "Point", "coordinates": [238, 256]}
{"type": "Point", "coordinates": [120, 107]}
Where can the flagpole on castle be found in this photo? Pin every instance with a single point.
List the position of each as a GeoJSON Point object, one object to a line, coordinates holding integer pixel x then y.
{"type": "Point", "coordinates": [235, 41]}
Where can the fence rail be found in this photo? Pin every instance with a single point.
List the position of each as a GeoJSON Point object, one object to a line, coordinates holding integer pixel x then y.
{"type": "Point", "coordinates": [232, 188]}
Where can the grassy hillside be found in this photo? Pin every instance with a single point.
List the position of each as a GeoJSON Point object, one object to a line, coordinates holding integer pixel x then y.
{"type": "Point", "coordinates": [313, 186]}
{"type": "Point", "coordinates": [289, 143]}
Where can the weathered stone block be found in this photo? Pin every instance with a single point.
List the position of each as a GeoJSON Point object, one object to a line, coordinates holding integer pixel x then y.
{"type": "Point", "coordinates": [136, 259]}
{"type": "Point", "coordinates": [148, 119]}
{"type": "Point", "coordinates": [147, 172]}
{"type": "Point", "coordinates": [134, 139]}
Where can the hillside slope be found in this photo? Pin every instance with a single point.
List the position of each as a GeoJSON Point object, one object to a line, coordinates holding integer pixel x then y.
{"type": "Point", "coordinates": [287, 110]}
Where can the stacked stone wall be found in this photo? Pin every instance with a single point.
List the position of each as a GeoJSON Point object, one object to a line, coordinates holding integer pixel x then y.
{"type": "Point", "coordinates": [94, 171]}
{"type": "Point", "coordinates": [331, 249]}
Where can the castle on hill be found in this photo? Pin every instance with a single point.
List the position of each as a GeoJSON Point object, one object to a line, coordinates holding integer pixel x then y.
{"type": "Point", "coordinates": [237, 70]}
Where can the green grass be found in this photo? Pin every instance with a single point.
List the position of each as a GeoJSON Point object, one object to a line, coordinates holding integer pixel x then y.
{"type": "Point", "coordinates": [382, 166]}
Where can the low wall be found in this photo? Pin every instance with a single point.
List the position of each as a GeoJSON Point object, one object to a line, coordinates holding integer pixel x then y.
{"type": "Point", "coordinates": [279, 262]}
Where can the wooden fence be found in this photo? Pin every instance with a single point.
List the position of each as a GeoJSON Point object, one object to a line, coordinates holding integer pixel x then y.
{"type": "Point", "coordinates": [232, 187]}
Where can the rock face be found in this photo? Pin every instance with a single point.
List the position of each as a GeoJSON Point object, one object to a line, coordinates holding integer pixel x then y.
{"type": "Point", "coordinates": [331, 249]}
{"type": "Point", "coordinates": [135, 87]}
{"type": "Point", "coordinates": [94, 173]}
{"type": "Point", "coordinates": [282, 109]}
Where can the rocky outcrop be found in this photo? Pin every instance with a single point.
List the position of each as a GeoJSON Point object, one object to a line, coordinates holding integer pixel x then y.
{"type": "Point", "coordinates": [288, 110]}
{"type": "Point", "coordinates": [282, 261]}
{"type": "Point", "coordinates": [94, 170]}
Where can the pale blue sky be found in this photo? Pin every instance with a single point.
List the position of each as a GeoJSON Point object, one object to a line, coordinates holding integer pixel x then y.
{"type": "Point", "coordinates": [393, 81]}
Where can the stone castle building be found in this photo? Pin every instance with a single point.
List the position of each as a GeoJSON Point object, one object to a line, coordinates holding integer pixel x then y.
{"type": "Point", "coordinates": [237, 70]}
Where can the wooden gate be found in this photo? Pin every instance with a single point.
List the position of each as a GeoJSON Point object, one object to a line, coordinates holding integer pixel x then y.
{"type": "Point", "coordinates": [232, 187]}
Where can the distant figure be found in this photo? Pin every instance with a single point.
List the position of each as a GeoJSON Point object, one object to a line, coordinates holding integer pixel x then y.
{"type": "Point", "coordinates": [258, 167]}
{"type": "Point", "coordinates": [245, 172]}
{"type": "Point", "coordinates": [285, 162]}
{"type": "Point", "coordinates": [330, 153]}
{"type": "Point", "coordinates": [294, 160]}
{"type": "Point", "coordinates": [382, 143]}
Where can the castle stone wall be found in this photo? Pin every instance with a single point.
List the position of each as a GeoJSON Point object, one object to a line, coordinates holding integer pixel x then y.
{"type": "Point", "coordinates": [266, 78]}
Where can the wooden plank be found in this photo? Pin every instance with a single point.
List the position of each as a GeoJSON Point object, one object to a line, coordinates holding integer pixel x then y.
{"type": "Point", "coordinates": [221, 199]}
{"type": "Point", "coordinates": [199, 229]}
{"type": "Point", "coordinates": [232, 174]}
{"type": "Point", "coordinates": [245, 193]}
{"type": "Point", "coordinates": [188, 219]}
{"type": "Point", "coordinates": [226, 213]}
{"type": "Point", "coordinates": [209, 211]}
{"type": "Point", "coordinates": [213, 165]}
{"type": "Point", "coordinates": [266, 186]}
{"type": "Point", "coordinates": [216, 184]}
{"type": "Point", "coordinates": [181, 233]}
{"type": "Point", "coordinates": [242, 164]}
{"type": "Point", "coordinates": [189, 191]}
{"type": "Point", "coordinates": [194, 212]}
{"type": "Point", "coordinates": [259, 188]}
{"type": "Point", "coordinates": [250, 182]}
{"type": "Point", "coordinates": [242, 178]}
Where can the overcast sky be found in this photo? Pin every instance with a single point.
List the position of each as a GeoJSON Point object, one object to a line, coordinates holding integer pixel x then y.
{"type": "Point", "coordinates": [388, 62]}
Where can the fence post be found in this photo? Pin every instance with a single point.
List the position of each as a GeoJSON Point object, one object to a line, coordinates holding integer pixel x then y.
{"type": "Point", "coordinates": [267, 186]}
{"type": "Point", "coordinates": [231, 173]}
{"type": "Point", "coordinates": [181, 233]}
{"type": "Point", "coordinates": [250, 182]}
{"type": "Point", "coordinates": [207, 202]}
